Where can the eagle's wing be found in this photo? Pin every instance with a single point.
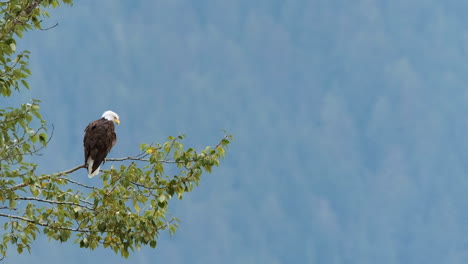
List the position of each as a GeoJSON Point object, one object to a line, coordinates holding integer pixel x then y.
{"type": "Point", "coordinates": [98, 141]}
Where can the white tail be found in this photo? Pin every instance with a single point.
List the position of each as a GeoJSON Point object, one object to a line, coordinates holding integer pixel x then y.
{"type": "Point", "coordinates": [90, 168]}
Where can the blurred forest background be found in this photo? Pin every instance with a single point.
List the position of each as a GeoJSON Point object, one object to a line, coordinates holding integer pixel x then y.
{"type": "Point", "coordinates": [349, 117]}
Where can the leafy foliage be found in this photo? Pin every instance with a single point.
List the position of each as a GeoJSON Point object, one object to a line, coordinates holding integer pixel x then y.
{"type": "Point", "coordinates": [16, 17]}
{"type": "Point", "coordinates": [131, 206]}
{"type": "Point", "coordinates": [128, 211]}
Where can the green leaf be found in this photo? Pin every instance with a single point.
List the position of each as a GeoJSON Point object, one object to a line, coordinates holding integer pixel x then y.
{"type": "Point", "coordinates": [221, 151]}
{"type": "Point", "coordinates": [224, 142]}
{"type": "Point", "coordinates": [167, 147]}
{"type": "Point", "coordinates": [143, 146]}
{"type": "Point", "coordinates": [162, 198]}
{"type": "Point", "coordinates": [172, 230]}
{"type": "Point", "coordinates": [207, 168]}
{"type": "Point", "coordinates": [102, 227]}
{"type": "Point", "coordinates": [34, 191]}
{"type": "Point", "coordinates": [34, 138]}
{"type": "Point", "coordinates": [12, 204]}
{"type": "Point", "coordinates": [43, 138]}
{"type": "Point", "coordinates": [153, 244]}
{"type": "Point", "coordinates": [25, 83]}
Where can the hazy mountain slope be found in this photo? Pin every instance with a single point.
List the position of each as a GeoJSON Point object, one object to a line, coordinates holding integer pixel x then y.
{"type": "Point", "coordinates": [349, 121]}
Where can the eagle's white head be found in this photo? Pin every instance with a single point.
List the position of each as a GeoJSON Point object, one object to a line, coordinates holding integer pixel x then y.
{"type": "Point", "coordinates": [111, 116]}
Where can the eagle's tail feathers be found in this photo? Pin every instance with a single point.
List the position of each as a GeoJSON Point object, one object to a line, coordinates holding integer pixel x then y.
{"type": "Point", "coordinates": [90, 168]}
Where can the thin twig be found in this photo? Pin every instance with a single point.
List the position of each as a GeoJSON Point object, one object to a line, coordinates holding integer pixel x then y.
{"type": "Point", "coordinates": [127, 158]}
{"type": "Point", "coordinates": [69, 171]}
{"type": "Point", "coordinates": [146, 187]}
{"type": "Point", "coordinates": [45, 224]}
{"type": "Point", "coordinates": [23, 13]}
{"type": "Point", "coordinates": [52, 202]}
{"type": "Point", "coordinates": [142, 159]}
{"type": "Point", "coordinates": [21, 185]}
{"type": "Point", "coordinates": [44, 29]}
{"type": "Point", "coordinates": [80, 184]}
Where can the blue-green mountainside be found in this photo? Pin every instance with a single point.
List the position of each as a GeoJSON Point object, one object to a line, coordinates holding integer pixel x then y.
{"type": "Point", "coordinates": [349, 117]}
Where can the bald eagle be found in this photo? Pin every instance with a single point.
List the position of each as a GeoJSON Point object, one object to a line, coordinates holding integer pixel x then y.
{"type": "Point", "coordinates": [98, 140]}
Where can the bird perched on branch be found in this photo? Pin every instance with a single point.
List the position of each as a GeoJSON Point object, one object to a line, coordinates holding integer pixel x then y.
{"type": "Point", "coordinates": [98, 140]}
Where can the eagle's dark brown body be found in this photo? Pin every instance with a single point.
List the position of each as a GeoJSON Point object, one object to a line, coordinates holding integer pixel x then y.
{"type": "Point", "coordinates": [98, 141]}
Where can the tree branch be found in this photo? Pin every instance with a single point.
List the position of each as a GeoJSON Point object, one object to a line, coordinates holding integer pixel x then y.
{"type": "Point", "coordinates": [70, 170]}
{"type": "Point", "coordinates": [138, 157]}
{"type": "Point", "coordinates": [44, 224]}
{"type": "Point", "coordinates": [24, 13]}
{"type": "Point", "coordinates": [135, 158]}
{"type": "Point", "coordinates": [52, 202]}
{"type": "Point", "coordinates": [80, 184]}
{"type": "Point", "coordinates": [51, 27]}
{"type": "Point", "coordinates": [80, 230]}
{"type": "Point", "coordinates": [24, 184]}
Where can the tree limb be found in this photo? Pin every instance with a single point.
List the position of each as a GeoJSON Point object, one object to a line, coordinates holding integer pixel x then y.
{"type": "Point", "coordinates": [17, 217]}
{"type": "Point", "coordinates": [24, 13]}
{"type": "Point", "coordinates": [63, 173]}
{"type": "Point", "coordinates": [52, 202]}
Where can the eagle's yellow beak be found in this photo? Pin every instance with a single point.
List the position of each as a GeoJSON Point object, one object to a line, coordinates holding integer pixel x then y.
{"type": "Point", "coordinates": [117, 121]}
